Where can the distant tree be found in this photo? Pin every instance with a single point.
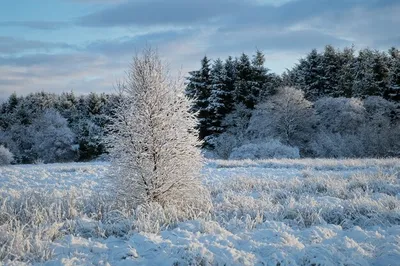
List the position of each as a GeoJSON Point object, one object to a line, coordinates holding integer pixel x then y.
{"type": "Point", "coordinates": [286, 116]}
{"type": "Point", "coordinates": [218, 96]}
{"type": "Point", "coordinates": [199, 89]}
{"type": "Point", "coordinates": [394, 75]}
{"type": "Point", "coordinates": [331, 66]}
{"type": "Point", "coordinates": [260, 76]}
{"type": "Point", "coordinates": [90, 138]}
{"type": "Point", "coordinates": [52, 140]}
{"type": "Point", "coordinates": [153, 142]}
{"type": "Point", "coordinates": [244, 85]}
{"type": "Point", "coordinates": [346, 74]}
{"type": "Point", "coordinates": [6, 157]}
{"type": "Point", "coordinates": [371, 74]}
{"type": "Point", "coordinates": [381, 131]}
{"type": "Point", "coordinates": [309, 76]}
{"type": "Point", "coordinates": [230, 67]}
{"type": "Point", "coordinates": [340, 115]}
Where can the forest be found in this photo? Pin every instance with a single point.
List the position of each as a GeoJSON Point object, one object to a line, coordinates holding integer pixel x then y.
{"type": "Point", "coordinates": [335, 103]}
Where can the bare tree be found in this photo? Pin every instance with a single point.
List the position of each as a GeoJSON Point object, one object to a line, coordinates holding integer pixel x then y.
{"type": "Point", "coordinates": [287, 116]}
{"type": "Point", "coordinates": [153, 142]}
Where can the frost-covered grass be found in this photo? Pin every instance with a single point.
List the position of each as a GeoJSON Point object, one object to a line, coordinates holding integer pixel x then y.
{"type": "Point", "coordinates": [269, 212]}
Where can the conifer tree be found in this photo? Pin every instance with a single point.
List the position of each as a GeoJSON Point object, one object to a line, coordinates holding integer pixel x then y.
{"type": "Point", "coordinates": [218, 95]}
{"type": "Point", "coordinates": [311, 73]}
{"type": "Point", "coordinates": [244, 83]}
{"type": "Point", "coordinates": [331, 66]}
{"type": "Point", "coordinates": [260, 76]}
{"type": "Point", "coordinates": [345, 74]}
{"type": "Point", "coordinates": [394, 75]}
{"type": "Point", "coordinates": [230, 67]}
{"type": "Point", "coordinates": [199, 89]}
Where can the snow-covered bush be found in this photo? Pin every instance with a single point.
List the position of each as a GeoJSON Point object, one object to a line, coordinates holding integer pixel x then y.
{"type": "Point", "coordinates": [336, 145]}
{"type": "Point", "coordinates": [52, 139]}
{"type": "Point", "coordinates": [264, 150]}
{"type": "Point", "coordinates": [6, 157]}
{"type": "Point", "coordinates": [381, 131]}
{"type": "Point", "coordinates": [340, 115]}
{"type": "Point", "coordinates": [286, 116]}
{"type": "Point", "coordinates": [153, 142]}
{"type": "Point", "coordinates": [224, 144]}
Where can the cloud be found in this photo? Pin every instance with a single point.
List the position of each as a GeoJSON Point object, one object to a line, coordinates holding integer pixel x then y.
{"type": "Point", "coordinates": [10, 45]}
{"type": "Point", "coordinates": [278, 25]}
{"type": "Point", "coordinates": [158, 12]}
{"type": "Point", "coordinates": [37, 25]}
{"type": "Point", "coordinates": [128, 45]}
{"type": "Point", "coordinates": [79, 72]}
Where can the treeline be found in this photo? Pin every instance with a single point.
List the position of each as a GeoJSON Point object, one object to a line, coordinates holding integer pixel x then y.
{"type": "Point", "coordinates": [333, 103]}
{"type": "Point", "coordinates": [45, 127]}
{"type": "Point", "coordinates": [362, 92]}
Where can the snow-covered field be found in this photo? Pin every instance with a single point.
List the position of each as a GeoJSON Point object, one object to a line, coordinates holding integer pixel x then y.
{"type": "Point", "coordinates": [271, 212]}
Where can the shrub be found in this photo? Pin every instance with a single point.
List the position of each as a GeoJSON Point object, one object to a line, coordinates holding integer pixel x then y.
{"type": "Point", "coordinates": [6, 157]}
{"type": "Point", "coordinates": [270, 149]}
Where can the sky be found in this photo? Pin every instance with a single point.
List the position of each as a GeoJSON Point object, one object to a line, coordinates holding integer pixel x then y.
{"type": "Point", "coordinates": [86, 45]}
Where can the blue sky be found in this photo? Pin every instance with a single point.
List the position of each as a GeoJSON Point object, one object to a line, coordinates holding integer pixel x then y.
{"type": "Point", "coordinates": [86, 45]}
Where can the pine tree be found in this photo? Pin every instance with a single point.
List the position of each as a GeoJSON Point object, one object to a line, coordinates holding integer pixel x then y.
{"type": "Point", "coordinates": [346, 74]}
{"type": "Point", "coordinates": [199, 89]}
{"type": "Point", "coordinates": [310, 75]}
{"type": "Point", "coordinates": [260, 77]}
{"type": "Point", "coordinates": [219, 93]}
{"type": "Point", "coordinates": [244, 83]}
{"type": "Point", "coordinates": [394, 75]}
{"type": "Point", "coordinates": [372, 74]}
{"type": "Point", "coordinates": [331, 65]}
{"type": "Point", "coordinates": [230, 80]}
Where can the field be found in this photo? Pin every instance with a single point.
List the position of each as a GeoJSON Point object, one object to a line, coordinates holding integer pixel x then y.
{"type": "Point", "coordinates": [270, 212]}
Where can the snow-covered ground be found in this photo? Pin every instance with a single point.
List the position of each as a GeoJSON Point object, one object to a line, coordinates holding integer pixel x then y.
{"type": "Point", "coordinates": [271, 212]}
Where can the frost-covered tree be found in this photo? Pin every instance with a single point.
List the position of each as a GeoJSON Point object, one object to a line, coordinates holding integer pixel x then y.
{"type": "Point", "coordinates": [394, 75]}
{"type": "Point", "coordinates": [260, 76]}
{"type": "Point", "coordinates": [245, 91]}
{"type": "Point", "coordinates": [90, 136]}
{"type": "Point", "coordinates": [381, 131]}
{"type": "Point", "coordinates": [340, 115]}
{"type": "Point", "coordinates": [153, 141]}
{"type": "Point", "coordinates": [230, 67]}
{"type": "Point", "coordinates": [345, 74]}
{"type": "Point", "coordinates": [309, 75]}
{"type": "Point", "coordinates": [371, 74]}
{"type": "Point", "coordinates": [199, 90]}
{"type": "Point", "coordinates": [218, 96]}
{"type": "Point", "coordinates": [331, 66]}
{"type": "Point", "coordinates": [287, 116]}
{"type": "Point", "coordinates": [52, 139]}
{"type": "Point", "coordinates": [6, 157]}
{"type": "Point", "coordinates": [327, 144]}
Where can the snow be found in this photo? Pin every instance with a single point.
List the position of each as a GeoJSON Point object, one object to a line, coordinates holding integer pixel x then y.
{"type": "Point", "coordinates": [270, 212]}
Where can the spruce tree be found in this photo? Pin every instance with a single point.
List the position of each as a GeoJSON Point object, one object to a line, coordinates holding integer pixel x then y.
{"type": "Point", "coordinates": [244, 82]}
{"type": "Point", "coordinates": [199, 89]}
{"type": "Point", "coordinates": [230, 67]}
{"type": "Point", "coordinates": [260, 76]}
{"type": "Point", "coordinates": [219, 93]}
{"type": "Point", "coordinates": [372, 74]}
{"type": "Point", "coordinates": [394, 75]}
{"type": "Point", "coordinates": [330, 66]}
{"type": "Point", "coordinates": [346, 74]}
